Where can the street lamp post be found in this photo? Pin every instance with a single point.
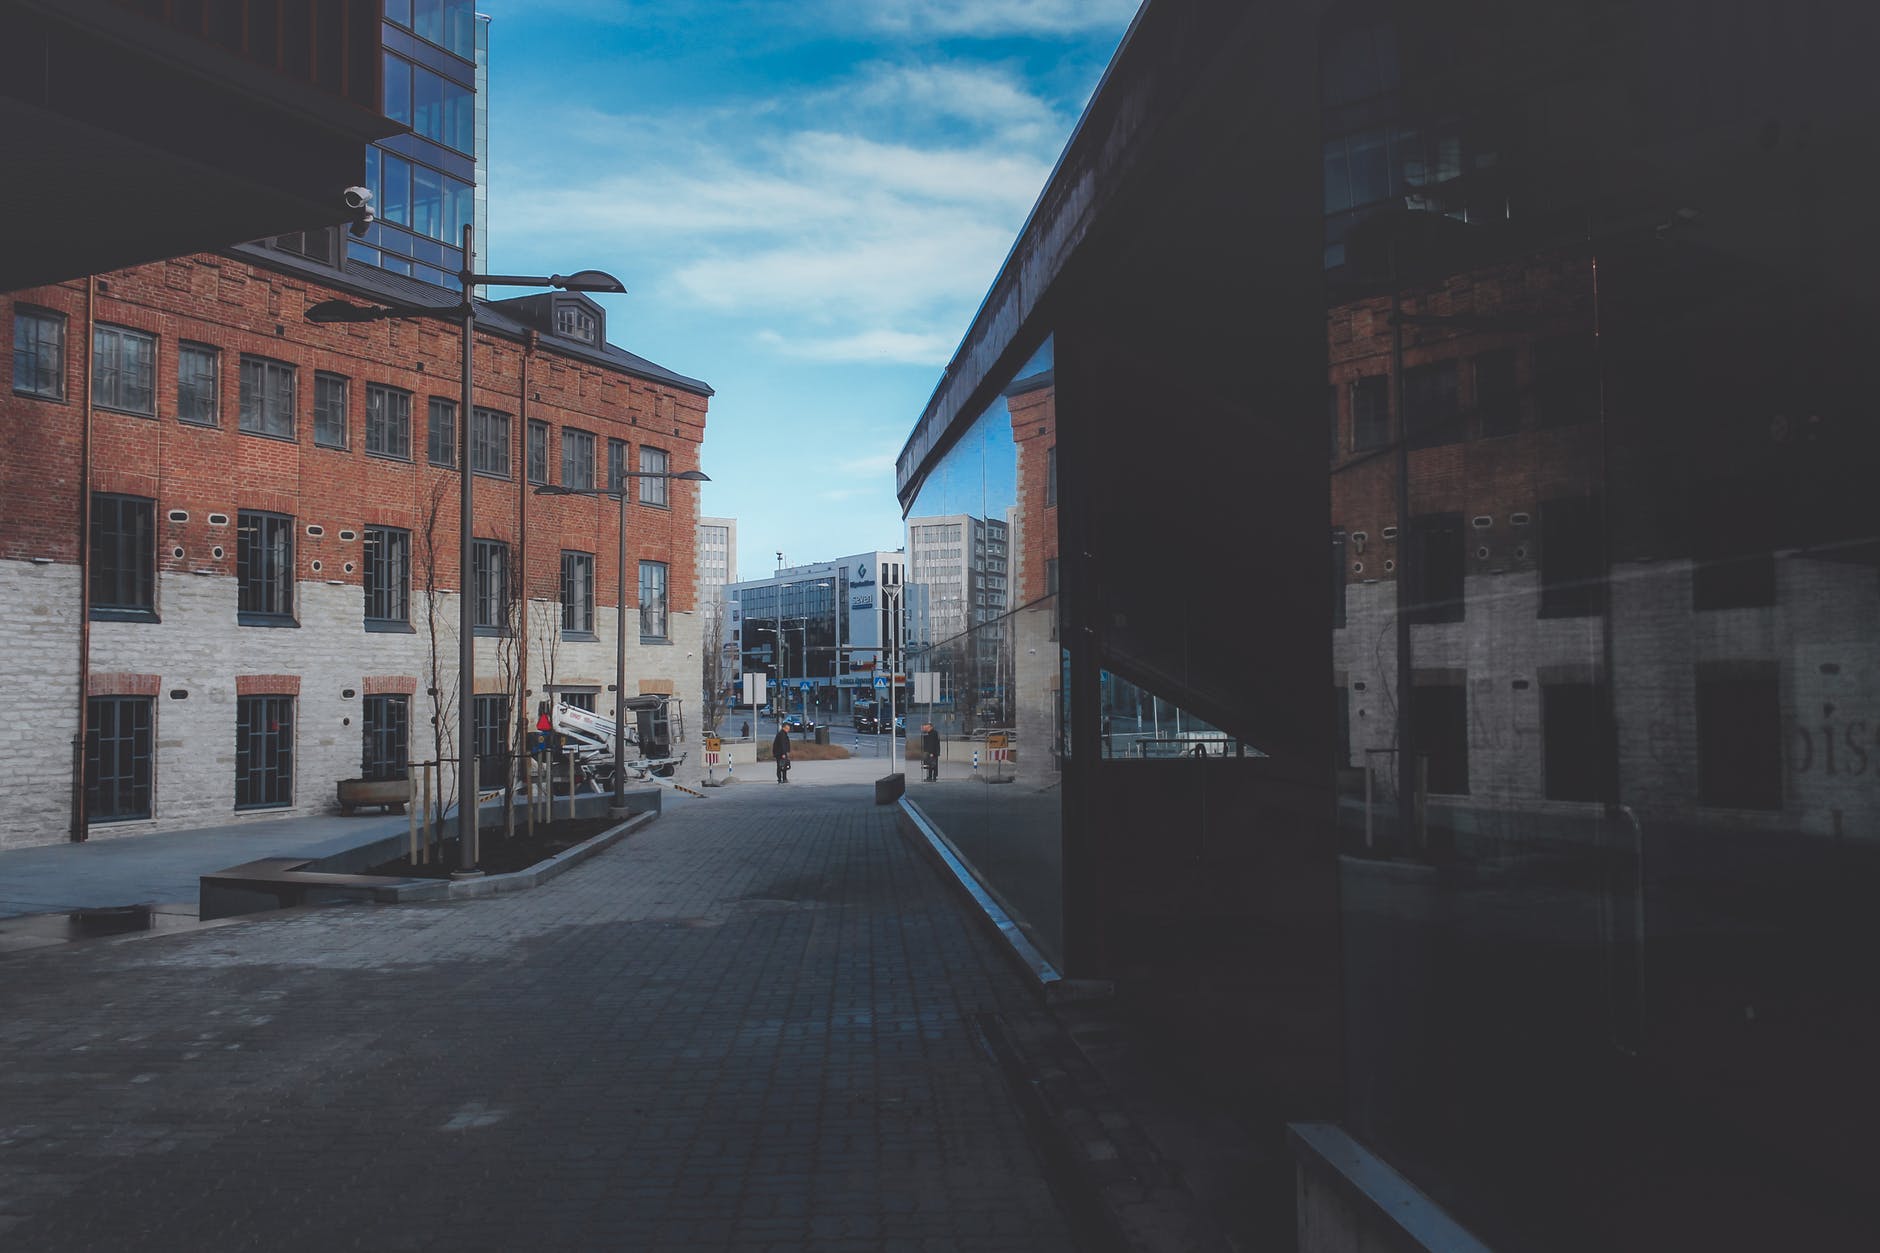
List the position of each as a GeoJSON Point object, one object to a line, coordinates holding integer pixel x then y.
{"type": "Point", "coordinates": [617, 808]}
{"type": "Point", "coordinates": [464, 311]}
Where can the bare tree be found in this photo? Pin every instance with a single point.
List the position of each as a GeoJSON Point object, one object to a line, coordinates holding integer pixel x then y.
{"type": "Point", "coordinates": [715, 670]}
{"type": "Point", "coordinates": [512, 660]}
{"type": "Point", "coordinates": [438, 637]}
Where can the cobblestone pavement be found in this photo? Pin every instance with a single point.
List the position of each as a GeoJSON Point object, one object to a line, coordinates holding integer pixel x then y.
{"type": "Point", "coordinates": [749, 1027]}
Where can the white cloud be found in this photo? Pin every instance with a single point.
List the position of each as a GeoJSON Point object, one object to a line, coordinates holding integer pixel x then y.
{"type": "Point", "coordinates": [878, 346]}
{"type": "Point", "coordinates": [985, 18]}
{"type": "Point", "coordinates": [864, 220]}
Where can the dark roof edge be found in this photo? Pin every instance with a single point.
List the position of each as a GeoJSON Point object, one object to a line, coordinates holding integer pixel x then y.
{"type": "Point", "coordinates": [1169, 54]}
{"type": "Point", "coordinates": [1008, 268]}
{"type": "Point", "coordinates": [371, 283]}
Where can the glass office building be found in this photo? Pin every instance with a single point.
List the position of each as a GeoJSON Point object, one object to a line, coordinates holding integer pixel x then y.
{"type": "Point", "coordinates": [424, 183]}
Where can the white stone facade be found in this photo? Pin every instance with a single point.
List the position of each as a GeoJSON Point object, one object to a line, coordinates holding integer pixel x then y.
{"type": "Point", "coordinates": [198, 648]}
{"type": "Point", "coordinates": [1826, 662]}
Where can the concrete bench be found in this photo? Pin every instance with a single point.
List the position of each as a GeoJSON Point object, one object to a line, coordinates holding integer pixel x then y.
{"type": "Point", "coordinates": [280, 883]}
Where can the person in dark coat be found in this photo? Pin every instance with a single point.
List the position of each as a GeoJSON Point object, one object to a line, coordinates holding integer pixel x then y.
{"type": "Point", "coordinates": [780, 752]}
{"type": "Point", "coordinates": [930, 750]}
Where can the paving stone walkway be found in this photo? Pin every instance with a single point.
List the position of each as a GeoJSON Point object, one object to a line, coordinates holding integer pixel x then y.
{"type": "Point", "coordinates": [749, 1027]}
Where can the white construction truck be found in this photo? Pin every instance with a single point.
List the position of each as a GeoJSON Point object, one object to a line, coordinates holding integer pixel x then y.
{"type": "Point", "coordinates": [588, 740]}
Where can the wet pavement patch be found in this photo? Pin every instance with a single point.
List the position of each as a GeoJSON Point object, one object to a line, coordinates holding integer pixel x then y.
{"type": "Point", "coordinates": [93, 923]}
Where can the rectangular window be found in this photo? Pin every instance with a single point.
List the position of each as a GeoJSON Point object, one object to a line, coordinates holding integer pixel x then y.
{"type": "Point", "coordinates": [1732, 542]}
{"type": "Point", "coordinates": [264, 751]}
{"type": "Point", "coordinates": [387, 576]}
{"type": "Point", "coordinates": [576, 322]}
{"type": "Point", "coordinates": [38, 353]}
{"type": "Point", "coordinates": [123, 556]}
{"type": "Point", "coordinates": [1341, 715]}
{"type": "Point", "coordinates": [577, 593]}
{"type": "Point", "coordinates": [395, 181]}
{"type": "Point", "coordinates": [386, 751]}
{"type": "Point", "coordinates": [398, 89]}
{"type": "Point", "coordinates": [1370, 412]}
{"type": "Point", "coordinates": [1338, 577]}
{"type": "Point", "coordinates": [491, 739]}
{"type": "Point", "coordinates": [616, 465]}
{"type": "Point", "coordinates": [1431, 415]}
{"type": "Point", "coordinates": [1435, 557]}
{"type": "Point", "coordinates": [1739, 746]}
{"type": "Point", "coordinates": [1497, 399]}
{"type": "Point", "coordinates": [652, 491]}
{"type": "Point", "coordinates": [388, 422]}
{"type": "Point", "coordinates": [196, 375]}
{"type": "Point", "coordinates": [265, 568]}
{"type": "Point", "coordinates": [1566, 381]}
{"type": "Point", "coordinates": [1440, 722]}
{"type": "Point", "coordinates": [124, 369]}
{"type": "Point", "coordinates": [441, 431]}
{"type": "Point", "coordinates": [329, 409]}
{"type": "Point", "coordinates": [1578, 752]}
{"type": "Point", "coordinates": [490, 582]}
{"type": "Point", "coordinates": [267, 397]}
{"type": "Point", "coordinates": [577, 458]}
{"type": "Point", "coordinates": [315, 245]}
{"type": "Point", "coordinates": [118, 757]}
{"type": "Point", "coordinates": [653, 600]}
{"type": "Point", "coordinates": [1050, 477]}
{"type": "Point", "coordinates": [538, 451]}
{"type": "Point", "coordinates": [442, 110]}
{"type": "Point", "coordinates": [1573, 558]}
{"type": "Point", "coordinates": [489, 442]}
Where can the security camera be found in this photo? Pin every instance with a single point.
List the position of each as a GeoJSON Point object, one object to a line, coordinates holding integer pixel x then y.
{"type": "Point", "coordinates": [358, 202]}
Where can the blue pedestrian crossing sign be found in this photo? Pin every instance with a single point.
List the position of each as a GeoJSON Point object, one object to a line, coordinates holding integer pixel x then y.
{"type": "Point", "coordinates": [881, 682]}
{"type": "Point", "coordinates": [803, 686]}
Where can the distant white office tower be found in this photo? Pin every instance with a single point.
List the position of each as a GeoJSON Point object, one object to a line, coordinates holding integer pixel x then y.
{"type": "Point", "coordinates": [717, 557]}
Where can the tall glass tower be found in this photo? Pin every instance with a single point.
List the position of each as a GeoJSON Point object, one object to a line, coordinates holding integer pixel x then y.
{"type": "Point", "coordinates": [424, 184]}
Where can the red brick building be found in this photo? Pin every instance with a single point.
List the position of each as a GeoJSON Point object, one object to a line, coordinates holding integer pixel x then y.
{"type": "Point", "coordinates": [211, 467]}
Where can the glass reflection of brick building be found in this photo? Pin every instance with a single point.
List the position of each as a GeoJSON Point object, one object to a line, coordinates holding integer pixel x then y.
{"type": "Point", "coordinates": [1551, 323]}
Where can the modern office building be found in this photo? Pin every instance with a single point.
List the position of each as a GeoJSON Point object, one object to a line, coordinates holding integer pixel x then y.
{"type": "Point", "coordinates": [717, 557]}
{"type": "Point", "coordinates": [822, 630]}
{"type": "Point", "coordinates": [228, 121]}
{"type": "Point", "coordinates": [1538, 933]}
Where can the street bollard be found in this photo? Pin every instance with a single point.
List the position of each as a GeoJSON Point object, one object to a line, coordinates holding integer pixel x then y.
{"type": "Point", "coordinates": [975, 761]}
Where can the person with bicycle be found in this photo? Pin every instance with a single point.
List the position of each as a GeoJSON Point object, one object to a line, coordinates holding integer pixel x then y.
{"type": "Point", "coordinates": [780, 752]}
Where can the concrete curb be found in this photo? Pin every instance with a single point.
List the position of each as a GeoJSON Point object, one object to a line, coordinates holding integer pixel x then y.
{"type": "Point", "coordinates": [516, 881]}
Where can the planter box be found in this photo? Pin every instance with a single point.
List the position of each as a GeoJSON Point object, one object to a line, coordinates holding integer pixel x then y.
{"type": "Point", "coordinates": [392, 794]}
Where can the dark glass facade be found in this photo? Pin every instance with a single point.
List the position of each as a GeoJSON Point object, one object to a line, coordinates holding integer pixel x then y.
{"type": "Point", "coordinates": [1557, 907]}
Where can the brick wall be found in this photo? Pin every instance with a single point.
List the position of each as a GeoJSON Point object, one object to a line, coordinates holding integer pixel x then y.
{"type": "Point", "coordinates": [195, 472]}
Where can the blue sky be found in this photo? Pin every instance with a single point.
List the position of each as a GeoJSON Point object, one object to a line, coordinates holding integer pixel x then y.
{"type": "Point", "coordinates": [807, 202]}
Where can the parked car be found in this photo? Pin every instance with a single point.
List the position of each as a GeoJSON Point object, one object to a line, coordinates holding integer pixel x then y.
{"type": "Point", "coordinates": [900, 724]}
{"type": "Point", "coordinates": [797, 724]}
